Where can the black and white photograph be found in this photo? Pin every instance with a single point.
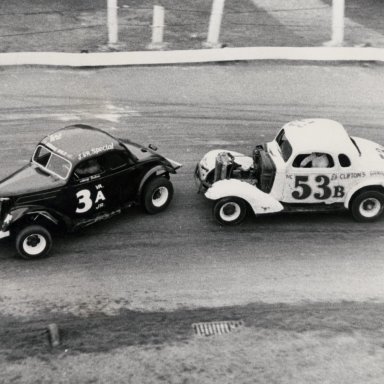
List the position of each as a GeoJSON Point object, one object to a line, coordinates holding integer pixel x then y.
{"type": "Point", "coordinates": [191, 191]}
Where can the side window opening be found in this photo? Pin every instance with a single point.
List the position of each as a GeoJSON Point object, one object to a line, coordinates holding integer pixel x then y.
{"type": "Point", "coordinates": [88, 168]}
{"type": "Point", "coordinates": [114, 160]}
{"type": "Point", "coordinates": [344, 160]}
{"type": "Point", "coordinates": [313, 160]}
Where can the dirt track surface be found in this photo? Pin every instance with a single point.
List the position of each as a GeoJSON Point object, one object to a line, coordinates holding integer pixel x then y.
{"type": "Point", "coordinates": [125, 292]}
{"type": "Point", "coordinates": [182, 258]}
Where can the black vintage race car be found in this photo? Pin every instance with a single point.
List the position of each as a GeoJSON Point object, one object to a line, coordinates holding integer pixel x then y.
{"type": "Point", "coordinates": [77, 176]}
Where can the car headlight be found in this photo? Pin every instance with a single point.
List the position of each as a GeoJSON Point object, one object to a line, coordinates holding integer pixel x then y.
{"type": "Point", "coordinates": [7, 221]}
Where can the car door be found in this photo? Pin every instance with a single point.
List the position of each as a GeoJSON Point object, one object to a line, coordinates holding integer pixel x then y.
{"type": "Point", "coordinates": [312, 183]}
{"type": "Point", "coordinates": [125, 175]}
{"type": "Point", "coordinates": [90, 191]}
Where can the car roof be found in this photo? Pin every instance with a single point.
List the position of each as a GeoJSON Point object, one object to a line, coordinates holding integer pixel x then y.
{"type": "Point", "coordinates": [318, 135]}
{"type": "Point", "coordinates": [77, 142]}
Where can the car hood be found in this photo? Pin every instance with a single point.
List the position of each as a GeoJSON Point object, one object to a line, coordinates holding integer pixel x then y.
{"type": "Point", "coordinates": [29, 179]}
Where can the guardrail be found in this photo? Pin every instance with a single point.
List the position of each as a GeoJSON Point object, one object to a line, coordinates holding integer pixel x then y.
{"type": "Point", "coordinates": [192, 56]}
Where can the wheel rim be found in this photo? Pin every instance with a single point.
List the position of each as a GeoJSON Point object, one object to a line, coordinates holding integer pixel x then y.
{"type": "Point", "coordinates": [34, 244]}
{"type": "Point", "coordinates": [370, 207]}
{"type": "Point", "coordinates": [160, 196]}
{"type": "Point", "coordinates": [230, 211]}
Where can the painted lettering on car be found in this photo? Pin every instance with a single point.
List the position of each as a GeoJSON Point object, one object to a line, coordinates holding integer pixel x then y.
{"type": "Point", "coordinates": [95, 151]}
{"type": "Point", "coordinates": [304, 188]}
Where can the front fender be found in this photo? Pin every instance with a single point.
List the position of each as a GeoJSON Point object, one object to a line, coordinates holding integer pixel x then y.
{"type": "Point", "coordinates": [260, 201]}
{"type": "Point", "coordinates": [21, 212]}
{"type": "Point", "coordinates": [368, 183]}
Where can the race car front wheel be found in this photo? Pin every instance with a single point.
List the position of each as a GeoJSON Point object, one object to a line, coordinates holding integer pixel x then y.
{"type": "Point", "coordinates": [367, 206]}
{"type": "Point", "coordinates": [230, 210]}
{"type": "Point", "coordinates": [157, 195]}
{"type": "Point", "coordinates": [33, 242]}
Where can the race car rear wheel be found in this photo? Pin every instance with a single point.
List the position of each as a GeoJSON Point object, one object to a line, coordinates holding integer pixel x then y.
{"type": "Point", "coordinates": [33, 242]}
{"type": "Point", "coordinates": [157, 195]}
{"type": "Point", "coordinates": [367, 206]}
{"type": "Point", "coordinates": [230, 210]}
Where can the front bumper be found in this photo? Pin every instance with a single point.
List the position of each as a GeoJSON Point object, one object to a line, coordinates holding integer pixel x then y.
{"type": "Point", "coordinates": [4, 234]}
{"type": "Point", "coordinates": [4, 227]}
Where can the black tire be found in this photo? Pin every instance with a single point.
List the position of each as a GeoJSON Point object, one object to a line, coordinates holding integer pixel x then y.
{"type": "Point", "coordinates": [157, 195]}
{"type": "Point", "coordinates": [230, 210]}
{"type": "Point", "coordinates": [33, 242]}
{"type": "Point", "coordinates": [367, 206]}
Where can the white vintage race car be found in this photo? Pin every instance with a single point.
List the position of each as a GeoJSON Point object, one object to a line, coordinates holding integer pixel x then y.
{"type": "Point", "coordinates": [312, 164]}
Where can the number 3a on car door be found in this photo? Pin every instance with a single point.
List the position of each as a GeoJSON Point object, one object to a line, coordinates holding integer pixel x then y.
{"type": "Point", "coordinates": [86, 202]}
{"type": "Point", "coordinates": [88, 188]}
{"type": "Point", "coordinates": [310, 181]}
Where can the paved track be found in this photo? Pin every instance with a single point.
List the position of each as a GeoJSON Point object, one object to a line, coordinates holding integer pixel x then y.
{"type": "Point", "coordinates": [182, 257]}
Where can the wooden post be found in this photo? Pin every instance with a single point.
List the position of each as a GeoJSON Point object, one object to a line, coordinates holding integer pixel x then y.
{"type": "Point", "coordinates": [215, 24]}
{"type": "Point", "coordinates": [157, 28]}
{"type": "Point", "coordinates": [338, 21]}
{"type": "Point", "coordinates": [53, 334]}
{"type": "Point", "coordinates": [338, 7]}
{"type": "Point", "coordinates": [158, 25]}
{"type": "Point", "coordinates": [112, 22]}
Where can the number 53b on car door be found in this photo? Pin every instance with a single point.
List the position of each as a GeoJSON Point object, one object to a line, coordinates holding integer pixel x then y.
{"type": "Point", "coordinates": [313, 187]}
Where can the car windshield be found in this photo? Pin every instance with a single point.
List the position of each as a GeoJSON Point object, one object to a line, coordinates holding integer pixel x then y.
{"type": "Point", "coordinates": [285, 146]}
{"type": "Point", "coordinates": [51, 162]}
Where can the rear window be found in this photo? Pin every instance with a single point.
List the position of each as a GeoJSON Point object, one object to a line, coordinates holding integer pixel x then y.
{"type": "Point", "coordinates": [51, 162]}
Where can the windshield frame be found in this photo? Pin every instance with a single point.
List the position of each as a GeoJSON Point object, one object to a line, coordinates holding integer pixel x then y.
{"type": "Point", "coordinates": [52, 153]}
{"type": "Point", "coordinates": [280, 139]}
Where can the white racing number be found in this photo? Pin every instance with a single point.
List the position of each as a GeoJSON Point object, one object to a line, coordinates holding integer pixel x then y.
{"type": "Point", "coordinates": [85, 203]}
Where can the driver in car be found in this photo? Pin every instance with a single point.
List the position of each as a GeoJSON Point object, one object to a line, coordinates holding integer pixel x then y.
{"type": "Point", "coordinates": [315, 160]}
{"type": "Point", "coordinates": [88, 168]}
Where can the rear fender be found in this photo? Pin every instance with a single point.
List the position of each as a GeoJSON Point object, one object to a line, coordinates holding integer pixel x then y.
{"type": "Point", "coordinates": [159, 170]}
{"type": "Point", "coordinates": [259, 201]}
{"type": "Point", "coordinates": [373, 183]}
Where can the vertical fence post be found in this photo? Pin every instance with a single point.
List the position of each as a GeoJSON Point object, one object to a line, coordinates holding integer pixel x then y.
{"type": "Point", "coordinates": [338, 7]}
{"type": "Point", "coordinates": [112, 22]}
{"type": "Point", "coordinates": [338, 21]}
{"type": "Point", "coordinates": [157, 28]}
{"type": "Point", "coordinates": [215, 24]}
